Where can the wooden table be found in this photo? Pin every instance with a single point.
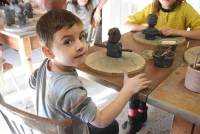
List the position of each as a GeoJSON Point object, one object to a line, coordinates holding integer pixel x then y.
{"type": "Point", "coordinates": [157, 75]}
{"type": "Point", "coordinates": [24, 43]}
{"type": "Point", "coordinates": [172, 96]}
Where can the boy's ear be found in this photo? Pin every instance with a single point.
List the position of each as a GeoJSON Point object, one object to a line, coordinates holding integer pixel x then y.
{"type": "Point", "coordinates": [48, 52]}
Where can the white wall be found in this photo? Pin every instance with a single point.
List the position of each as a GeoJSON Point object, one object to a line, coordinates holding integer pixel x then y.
{"type": "Point", "coordinates": [195, 4]}
{"type": "Point", "coordinates": [116, 11]}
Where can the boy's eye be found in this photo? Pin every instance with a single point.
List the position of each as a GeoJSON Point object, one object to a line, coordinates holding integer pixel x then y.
{"type": "Point", "coordinates": [67, 41]}
{"type": "Point", "coordinates": [83, 36]}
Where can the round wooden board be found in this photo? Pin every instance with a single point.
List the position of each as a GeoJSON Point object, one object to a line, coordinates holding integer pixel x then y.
{"type": "Point", "coordinates": [191, 54]}
{"type": "Point", "coordinates": [139, 37]}
{"type": "Point", "coordinates": [130, 62]}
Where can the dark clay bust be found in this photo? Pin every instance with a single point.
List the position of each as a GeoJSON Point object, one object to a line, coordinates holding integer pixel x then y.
{"type": "Point", "coordinates": [151, 32]}
{"type": "Point", "coordinates": [28, 10]}
{"type": "Point", "coordinates": [20, 15]}
{"type": "Point", "coordinates": [15, 10]}
{"type": "Point", "coordinates": [9, 16]}
{"type": "Point", "coordinates": [114, 47]}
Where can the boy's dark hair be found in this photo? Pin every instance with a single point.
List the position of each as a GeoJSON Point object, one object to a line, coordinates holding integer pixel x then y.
{"type": "Point", "coordinates": [53, 21]}
{"type": "Point", "coordinates": [157, 5]}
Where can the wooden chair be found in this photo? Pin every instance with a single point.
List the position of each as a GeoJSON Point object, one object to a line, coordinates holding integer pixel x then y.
{"type": "Point", "coordinates": [21, 122]}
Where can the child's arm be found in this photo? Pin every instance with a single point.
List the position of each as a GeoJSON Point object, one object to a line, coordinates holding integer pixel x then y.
{"type": "Point", "coordinates": [97, 13]}
{"type": "Point", "coordinates": [131, 86]}
{"type": "Point", "coordinates": [101, 4]}
{"type": "Point", "coordinates": [191, 20]}
{"type": "Point", "coordinates": [136, 21]}
{"type": "Point", "coordinates": [193, 34]}
{"type": "Point", "coordinates": [133, 27]}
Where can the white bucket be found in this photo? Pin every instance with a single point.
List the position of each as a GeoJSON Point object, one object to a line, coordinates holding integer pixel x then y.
{"type": "Point", "coordinates": [192, 79]}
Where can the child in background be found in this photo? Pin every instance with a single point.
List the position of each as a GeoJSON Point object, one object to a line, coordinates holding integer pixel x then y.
{"type": "Point", "coordinates": [89, 11]}
{"type": "Point", "coordinates": [60, 93]}
{"type": "Point", "coordinates": [174, 18]}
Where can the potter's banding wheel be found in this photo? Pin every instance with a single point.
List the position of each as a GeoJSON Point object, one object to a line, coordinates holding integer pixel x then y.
{"type": "Point", "coordinates": [140, 37]}
{"type": "Point", "coordinates": [130, 62]}
{"type": "Point", "coordinates": [191, 54]}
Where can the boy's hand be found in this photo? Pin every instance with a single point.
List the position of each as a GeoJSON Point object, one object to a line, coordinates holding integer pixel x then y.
{"type": "Point", "coordinates": [135, 84]}
{"type": "Point", "coordinates": [131, 86]}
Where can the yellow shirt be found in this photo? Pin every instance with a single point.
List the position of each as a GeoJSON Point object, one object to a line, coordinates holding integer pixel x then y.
{"type": "Point", "coordinates": [182, 17]}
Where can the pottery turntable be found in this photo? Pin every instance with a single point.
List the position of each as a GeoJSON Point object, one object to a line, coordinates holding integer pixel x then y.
{"type": "Point", "coordinates": [191, 54]}
{"type": "Point", "coordinates": [152, 36]}
{"type": "Point", "coordinates": [115, 60]}
{"type": "Point", "coordinates": [159, 40]}
{"type": "Point", "coordinates": [130, 62]}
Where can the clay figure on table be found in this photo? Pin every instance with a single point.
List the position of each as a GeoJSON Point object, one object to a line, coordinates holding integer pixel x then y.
{"type": "Point", "coordinates": [18, 9]}
{"type": "Point", "coordinates": [20, 15]}
{"type": "Point", "coordinates": [28, 10]}
{"type": "Point", "coordinates": [151, 32]}
{"type": "Point", "coordinates": [114, 47]}
{"type": "Point", "coordinates": [9, 16]}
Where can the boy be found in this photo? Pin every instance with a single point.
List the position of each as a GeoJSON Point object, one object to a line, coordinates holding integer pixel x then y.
{"type": "Point", "coordinates": [59, 90]}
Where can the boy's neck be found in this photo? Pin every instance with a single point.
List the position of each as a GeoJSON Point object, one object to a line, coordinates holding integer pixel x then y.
{"type": "Point", "coordinates": [55, 67]}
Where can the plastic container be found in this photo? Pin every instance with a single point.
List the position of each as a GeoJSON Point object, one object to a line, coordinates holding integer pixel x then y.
{"type": "Point", "coordinates": [163, 61]}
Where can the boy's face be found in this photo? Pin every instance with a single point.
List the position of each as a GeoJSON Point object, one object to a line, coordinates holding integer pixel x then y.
{"type": "Point", "coordinates": [82, 2]}
{"type": "Point", "coordinates": [69, 46]}
{"type": "Point", "coordinates": [167, 3]}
